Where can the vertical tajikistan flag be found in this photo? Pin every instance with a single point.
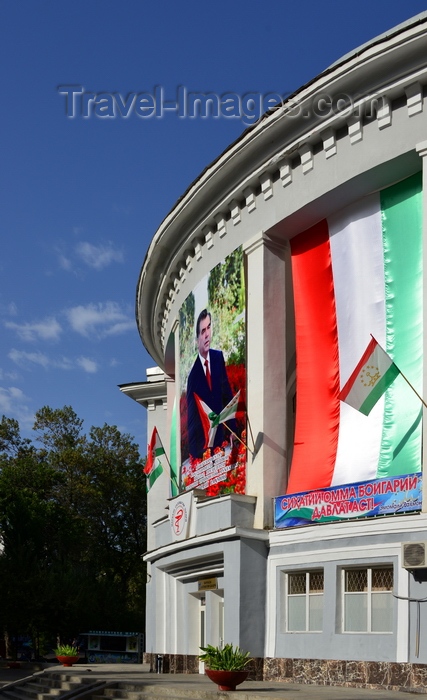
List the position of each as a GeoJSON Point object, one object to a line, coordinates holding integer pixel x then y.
{"type": "Point", "coordinates": [373, 375]}
{"type": "Point", "coordinates": [354, 274]}
{"type": "Point", "coordinates": [153, 467]}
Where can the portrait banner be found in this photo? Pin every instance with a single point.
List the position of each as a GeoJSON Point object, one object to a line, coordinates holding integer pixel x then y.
{"type": "Point", "coordinates": [212, 343]}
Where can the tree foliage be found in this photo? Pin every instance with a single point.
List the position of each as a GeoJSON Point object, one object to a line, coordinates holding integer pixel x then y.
{"type": "Point", "coordinates": [72, 528]}
{"type": "Point", "coordinates": [226, 294]}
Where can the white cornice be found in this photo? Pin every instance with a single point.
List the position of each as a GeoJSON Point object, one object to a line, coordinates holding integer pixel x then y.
{"type": "Point", "coordinates": [213, 537]}
{"type": "Point", "coordinates": [390, 67]}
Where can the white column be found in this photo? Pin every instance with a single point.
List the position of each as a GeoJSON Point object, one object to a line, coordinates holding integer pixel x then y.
{"type": "Point", "coordinates": [266, 372]}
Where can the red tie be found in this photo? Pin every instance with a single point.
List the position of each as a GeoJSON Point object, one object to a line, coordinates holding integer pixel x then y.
{"type": "Point", "coordinates": [208, 375]}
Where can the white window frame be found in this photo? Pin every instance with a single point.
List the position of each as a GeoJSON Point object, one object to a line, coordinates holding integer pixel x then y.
{"type": "Point", "coordinates": [308, 596]}
{"type": "Point", "coordinates": [368, 593]}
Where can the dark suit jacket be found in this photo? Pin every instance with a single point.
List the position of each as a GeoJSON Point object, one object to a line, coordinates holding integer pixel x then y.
{"type": "Point", "coordinates": [216, 399]}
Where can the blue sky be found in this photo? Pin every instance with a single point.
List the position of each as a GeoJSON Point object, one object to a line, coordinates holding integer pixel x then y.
{"type": "Point", "coordinates": [80, 198]}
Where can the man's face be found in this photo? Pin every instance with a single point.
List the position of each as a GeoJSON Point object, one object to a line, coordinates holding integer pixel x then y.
{"type": "Point", "coordinates": [204, 337]}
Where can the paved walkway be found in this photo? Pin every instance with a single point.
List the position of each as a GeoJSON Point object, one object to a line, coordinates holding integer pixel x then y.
{"type": "Point", "coordinates": [249, 690]}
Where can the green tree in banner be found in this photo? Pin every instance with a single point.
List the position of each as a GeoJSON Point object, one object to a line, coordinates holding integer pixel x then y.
{"type": "Point", "coordinates": [187, 334]}
{"type": "Point", "coordinates": [226, 293]}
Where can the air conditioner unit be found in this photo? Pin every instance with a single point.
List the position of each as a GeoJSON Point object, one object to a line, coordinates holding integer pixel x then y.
{"type": "Point", "coordinates": [414, 555]}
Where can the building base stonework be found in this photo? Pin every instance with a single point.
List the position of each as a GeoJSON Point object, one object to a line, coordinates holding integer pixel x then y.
{"type": "Point", "coordinates": [358, 674]}
{"type": "Point", "coordinates": [350, 674]}
{"type": "Point", "coordinates": [172, 663]}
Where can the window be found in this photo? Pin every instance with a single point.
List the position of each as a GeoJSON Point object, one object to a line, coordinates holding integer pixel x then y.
{"type": "Point", "coordinates": [304, 601]}
{"type": "Point", "coordinates": [368, 600]}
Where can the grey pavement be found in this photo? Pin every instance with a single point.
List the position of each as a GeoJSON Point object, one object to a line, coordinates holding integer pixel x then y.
{"type": "Point", "coordinates": [249, 690]}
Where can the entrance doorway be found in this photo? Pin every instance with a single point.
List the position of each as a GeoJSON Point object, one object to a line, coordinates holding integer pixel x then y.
{"type": "Point", "coordinates": [210, 622]}
{"type": "Point", "coordinates": [202, 630]}
{"type": "Point", "coordinates": [221, 623]}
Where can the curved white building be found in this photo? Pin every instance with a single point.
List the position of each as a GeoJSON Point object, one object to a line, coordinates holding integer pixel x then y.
{"type": "Point", "coordinates": [303, 239]}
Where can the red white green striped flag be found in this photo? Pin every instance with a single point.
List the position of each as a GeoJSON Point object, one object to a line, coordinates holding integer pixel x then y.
{"type": "Point", "coordinates": [373, 375]}
{"type": "Point", "coordinates": [357, 273]}
{"type": "Point", "coordinates": [210, 420]}
{"type": "Point", "coordinates": [153, 467]}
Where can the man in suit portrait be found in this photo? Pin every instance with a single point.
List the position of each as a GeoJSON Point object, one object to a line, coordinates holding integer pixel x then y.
{"type": "Point", "coordinates": [208, 379]}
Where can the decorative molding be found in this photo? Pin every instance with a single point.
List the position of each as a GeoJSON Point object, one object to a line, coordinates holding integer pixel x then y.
{"type": "Point", "coordinates": [250, 198]}
{"type": "Point", "coordinates": [414, 99]}
{"type": "Point", "coordinates": [285, 171]}
{"type": "Point", "coordinates": [266, 185]}
{"type": "Point", "coordinates": [208, 233]}
{"type": "Point", "coordinates": [384, 114]}
{"type": "Point", "coordinates": [355, 130]}
{"type": "Point", "coordinates": [329, 143]}
{"type": "Point", "coordinates": [307, 161]}
{"type": "Point", "coordinates": [421, 149]}
{"type": "Point", "coordinates": [254, 243]}
{"type": "Point", "coordinates": [235, 212]}
{"type": "Point", "coordinates": [221, 225]}
{"type": "Point", "coordinates": [245, 197]}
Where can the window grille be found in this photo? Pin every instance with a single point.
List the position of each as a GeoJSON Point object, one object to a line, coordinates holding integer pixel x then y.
{"type": "Point", "coordinates": [368, 600]}
{"type": "Point", "coordinates": [304, 601]}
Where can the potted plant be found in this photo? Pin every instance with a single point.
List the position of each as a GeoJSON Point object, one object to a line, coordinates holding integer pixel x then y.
{"type": "Point", "coordinates": [226, 666]}
{"type": "Point", "coordinates": [67, 655]}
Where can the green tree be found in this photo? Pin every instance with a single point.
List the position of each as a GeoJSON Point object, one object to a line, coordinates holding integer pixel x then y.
{"type": "Point", "coordinates": [72, 528]}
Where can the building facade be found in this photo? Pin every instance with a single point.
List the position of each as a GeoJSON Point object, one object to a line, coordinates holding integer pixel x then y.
{"type": "Point", "coordinates": [300, 538]}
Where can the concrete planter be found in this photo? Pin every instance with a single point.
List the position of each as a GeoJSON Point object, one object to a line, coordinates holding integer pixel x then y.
{"type": "Point", "coordinates": [227, 680]}
{"type": "Point", "coordinates": [67, 660]}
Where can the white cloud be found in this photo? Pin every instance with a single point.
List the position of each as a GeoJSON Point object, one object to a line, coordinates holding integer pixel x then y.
{"type": "Point", "coordinates": [119, 328]}
{"type": "Point", "coordinates": [62, 363]}
{"type": "Point", "coordinates": [8, 309]}
{"type": "Point", "coordinates": [87, 364]}
{"type": "Point", "coordinates": [99, 256]}
{"type": "Point", "coordinates": [13, 404]}
{"type": "Point", "coordinates": [48, 329]}
{"type": "Point", "coordinates": [64, 263]}
{"type": "Point", "coordinates": [10, 396]}
{"type": "Point", "coordinates": [26, 359]}
{"type": "Point", "coordinates": [11, 376]}
{"type": "Point", "coordinates": [99, 320]}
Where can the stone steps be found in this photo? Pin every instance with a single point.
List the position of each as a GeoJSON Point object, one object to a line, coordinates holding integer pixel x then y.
{"type": "Point", "coordinates": [46, 686]}
{"type": "Point", "coordinates": [49, 685]}
{"type": "Point", "coordinates": [55, 686]}
{"type": "Point", "coordinates": [157, 692]}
